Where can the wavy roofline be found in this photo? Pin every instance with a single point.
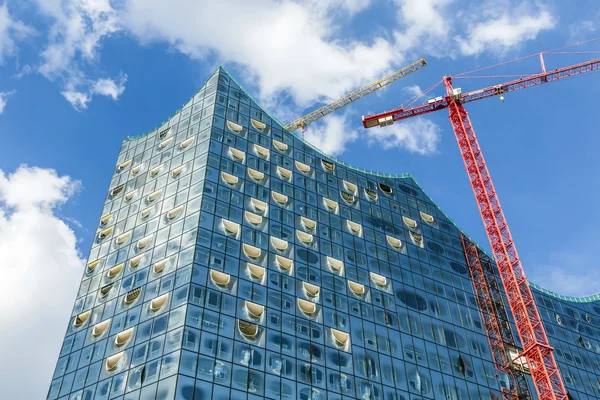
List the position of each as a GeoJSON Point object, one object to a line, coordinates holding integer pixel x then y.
{"type": "Point", "coordinates": [583, 299]}
{"type": "Point", "coordinates": [573, 299]}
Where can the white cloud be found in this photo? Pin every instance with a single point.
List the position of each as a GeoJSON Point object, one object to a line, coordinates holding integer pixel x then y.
{"type": "Point", "coordinates": [4, 99]}
{"type": "Point", "coordinates": [569, 273]}
{"type": "Point", "coordinates": [331, 135]}
{"type": "Point", "coordinates": [40, 269]}
{"type": "Point", "coordinates": [419, 136]}
{"type": "Point", "coordinates": [504, 28]}
{"type": "Point", "coordinates": [103, 86]}
{"type": "Point", "coordinates": [580, 29]}
{"type": "Point", "coordinates": [10, 32]}
{"type": "Point", "coordinates": [78, 100]}
{"type": "Point", "coordinates": [110, 87]}
{"type": "Point", "coordinates": [293, 51]}
{"type": "Point", "coordinates": [74, 42]}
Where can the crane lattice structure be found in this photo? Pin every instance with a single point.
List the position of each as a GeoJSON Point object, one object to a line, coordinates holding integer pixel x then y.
{"type": "Point", "coordinates": [536, 349]}
{"type": "Point", "coordinates": [313, 116]}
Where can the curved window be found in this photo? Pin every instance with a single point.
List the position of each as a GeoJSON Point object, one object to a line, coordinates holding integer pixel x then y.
{"type": "Point", "coordinates": [254, 219]}
{"type": "Point", "coordinates": [132, 295]}
{"type": "Point", "coordinates": [100, 327]}
{"type": "Point", "coordinates": [173, 213]}
{"type": "Point", "coordinates": [247, 329]}
{"type": "Point", "coordinates": [256, 175]}
{"type": "Point", "coordinates": [259, 206]}
{"type": "Point", "coordinates": [123, 337]}
{"type": "Point", "coordinates": [186, 143]}
{"type": "Point", "coordinates": [105, 290]}
{"type": "Point", "coordinates": [379, 280]}
{"type": "Point", "coordinates": [154, 195]}
{"type": "Point", "coordinates": [136, 169]}
{"type": "Point", "coordinates": [328, 166]}
{"type": "Point", "coordinates": [251, 251]}
{"type": "Point", "coordinates": [280, 146]}
{"type": "Point", "coordinates": [228, 178]}
{"type": "Point", "coordinates": [261, 151]}
{"type": "Point", "coordinates": [105, 233]}
{"type": "Point", "coordinates": [305, 169]}
{"type": "Point", "coordinates": [284, 263]}
{"type": "Point", "coordinates": [81, 318]}
{"type": "Point", "coordinates": [165, 143]}
{"type": "Point", "coordinates": [348, 198]}
{"type": "Point", "coordinates": [158, 302]}
{"type": "Point", "coordinates": [356, 288]}
{"type": "Point", "coordinates": [307, 307]}
{"type": "Point", "coordinates": [237, 154]}
{"type": "Point", "coordinates": [279, 244]}
{"type": "Point", "coordinates": [371, 194]}
{"type": "Point", "coordinates": [234, 127]}
{"type": "Point", "coordinates": [130, 195]}
{"type": "Point", "coordinates": [411, 223]}
{"type": "Point", "coordinates": [135, 260]}
{"type": "Point", "coordinates": [354, 227]}
{"type": "Point", "coordinates": [394, 242]}
{"type": "Point", "coordinates": [308, 224]}
{"type": "Point", "coordinates": [114, 271]}
{"type": "Point", "coordinates": [385, 188]}
{"type": "Point", "coordinates": [160, 265]}
{"type": "Point", "coordinates": [331, 205]}
{"type": "Point", "coordinates": [230, 226]}
{"type": "Point", "coordinates": [104, 220]}
{"type": "Point", "coordinates": [177, 171]}
{"type": "Point", "coordinates": [145, 213]}
{"type": "Point", "coordinates": [257, 124]}
{"type": "Point", "coordinates": [304, 237]}
{"type": "Point", "coordinates": [278, 197]}
{"type": "Point", "coordinates": [350, 187]}
{"type": "Point", "coordinates": [335, 264]}
{"type": "Point", "coordinates": [426, 217]}
{"type": "Point", "coordinates": [417, 238]}
{"type": "Point", "coordinates": [340, 337]}
{"type": "Point", "coordinates": [143, 242]}
{"type": "Point", "coordinates": [256, 271]}
{"type": "Point", "coordinates": [254, 310]}
{"type": "Point", "coordinates": [124, 165]}
{"type": "Point", "coordinates": [285, 174]}
{"type": "Point", "coordinates": [310, 289]}
{"type": "Point", "coordinates": [117, 190]}
{"type": "Point", "coordinates": [154, 171]}
{"type": "Point", "coordinates": [220, 278]}
{"type": "Point", "coordinates": [113, 361]}
{"type": "Point", "coordinates": [92, 265]}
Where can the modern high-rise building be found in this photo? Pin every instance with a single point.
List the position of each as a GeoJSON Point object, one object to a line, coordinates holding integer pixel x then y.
{"type": "Point", "coordinates": [233, 260]}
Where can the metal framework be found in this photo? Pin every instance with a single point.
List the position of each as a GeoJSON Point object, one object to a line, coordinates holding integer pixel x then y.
{"type": "Point", "coordinates": [302, 122]}
{"type": "Point", "coordinates": [389, 117]}
{"type": "Point", "coordinates": [490, 307]}
{"type": "Point", "coordinates": [537, 350]}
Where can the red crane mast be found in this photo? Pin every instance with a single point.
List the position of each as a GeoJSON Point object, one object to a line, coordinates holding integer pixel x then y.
{"type": "Point", "coordinates": [536, 348]}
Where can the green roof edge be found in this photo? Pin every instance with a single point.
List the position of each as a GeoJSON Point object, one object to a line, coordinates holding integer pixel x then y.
{"type": "Point", "coordinates": [583, 299]}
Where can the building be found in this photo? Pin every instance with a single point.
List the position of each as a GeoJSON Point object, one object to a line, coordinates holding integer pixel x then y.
{"type": "Point", "coordinates": [233, 260]}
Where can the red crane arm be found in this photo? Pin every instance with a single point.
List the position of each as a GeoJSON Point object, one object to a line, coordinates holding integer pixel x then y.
{"type": "Point", "coordinates": [536, 348]}
{"type": "Point", "coordinates": [389, 117]}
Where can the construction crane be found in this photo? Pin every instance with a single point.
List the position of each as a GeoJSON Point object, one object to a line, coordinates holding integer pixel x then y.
{"type": "Point", "coordinates": [302, 122]}
{"type": "Point", "coordinates": [536, 348]}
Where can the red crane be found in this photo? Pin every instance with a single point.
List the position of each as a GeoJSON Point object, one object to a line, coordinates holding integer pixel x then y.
{"type": "Point", "coordinates": [536, 348]}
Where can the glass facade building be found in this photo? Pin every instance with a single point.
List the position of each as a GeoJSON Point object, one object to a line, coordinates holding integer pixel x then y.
{"type": "Point", "coordinates": [234, 260]}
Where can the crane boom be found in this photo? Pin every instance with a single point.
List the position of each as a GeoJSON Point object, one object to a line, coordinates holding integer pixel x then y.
{"type": "Point", "coordinates": [389, 117]}
{"type": "Point", "coordinates": [536, 348]}
{"type": "Point", "coordinates": [315, 115]}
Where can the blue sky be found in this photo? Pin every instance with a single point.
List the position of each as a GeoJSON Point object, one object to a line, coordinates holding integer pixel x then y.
{"type": "Point", "coordinates": [77, 77]}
